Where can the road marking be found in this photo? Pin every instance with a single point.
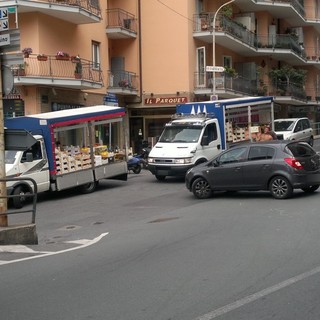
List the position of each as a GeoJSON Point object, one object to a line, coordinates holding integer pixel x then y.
{"type": "Point", "coordinates": [85, 243]}
{"type": "Point", "coordinates": [19, 249]}
{"type": "Point", "coordinates": [240, 303]}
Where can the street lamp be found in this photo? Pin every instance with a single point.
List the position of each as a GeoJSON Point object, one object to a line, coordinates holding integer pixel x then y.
{"type": "Point", "coordinates": [214, 44]}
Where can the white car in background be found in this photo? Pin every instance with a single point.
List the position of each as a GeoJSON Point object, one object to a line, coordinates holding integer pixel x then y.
{"type": "Point", "coordinates": [294, 129]}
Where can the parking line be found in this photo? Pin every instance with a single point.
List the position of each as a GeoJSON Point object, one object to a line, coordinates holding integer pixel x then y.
{"type": "Point", "coordinates": [239, 303]}
{"type": "Point", "coordinates": [84, 243]}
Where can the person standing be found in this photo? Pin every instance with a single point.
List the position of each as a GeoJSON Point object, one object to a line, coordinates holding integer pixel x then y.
{"type": "Point", "coordinates": [268, 131]}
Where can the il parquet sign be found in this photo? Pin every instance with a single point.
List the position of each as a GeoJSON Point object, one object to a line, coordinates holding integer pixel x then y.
{"type": "Point", "coordinates": [166, 100]}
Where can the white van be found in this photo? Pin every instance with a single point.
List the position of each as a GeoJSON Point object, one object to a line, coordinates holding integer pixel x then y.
{"type": "Point", "coordinates": [294, 129]}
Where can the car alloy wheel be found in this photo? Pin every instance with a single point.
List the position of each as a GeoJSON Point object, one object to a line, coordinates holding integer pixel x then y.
{"type": "Point", "coordinates": [280, 188]}
{"type": "Point", "coordinates": [201, 189]}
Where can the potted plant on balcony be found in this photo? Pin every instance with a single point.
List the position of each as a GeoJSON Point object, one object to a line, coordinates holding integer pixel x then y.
{"type": "Point", "coordinates": [124, 83]}
{"type": "Point", "coordinates": [78, 70]}
{"type": "Point", "coordinates": [42, 57]}
{"type": "Point", "coordinates": [26, 52]}
{"type": "Point", "coordinates": [62, 55]}
{"type": "Point", "coordinates": [19, 70]}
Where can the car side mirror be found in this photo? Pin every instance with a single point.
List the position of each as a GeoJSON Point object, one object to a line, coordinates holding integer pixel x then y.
{"type": "Point", "coordinates": [215, 163]}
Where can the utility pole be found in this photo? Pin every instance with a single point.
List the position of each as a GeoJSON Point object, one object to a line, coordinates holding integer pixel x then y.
{"type": "Point", "coordinates": [3, 188]}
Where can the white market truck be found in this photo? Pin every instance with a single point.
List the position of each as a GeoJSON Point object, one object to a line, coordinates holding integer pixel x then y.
{"type": "Point", "coordinates": [200, 130]}
{"type": "Point", "coordinates": [59, 150]}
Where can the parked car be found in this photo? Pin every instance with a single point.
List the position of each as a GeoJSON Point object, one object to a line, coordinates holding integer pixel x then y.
{"type": "Point", "coordinates": [277, 166]}
{"type": "Point", "coordinates": [294, 129]}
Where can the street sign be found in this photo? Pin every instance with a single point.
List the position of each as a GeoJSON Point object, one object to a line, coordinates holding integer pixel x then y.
{"type": "Point", "coordinates": [4, 25]}
{"type": "Point", "coordinates": [3, 13]}
{"type": "Point", "coordinates": [4, 39]}
{"type": "Point", "coordinates": [214, 69]}
{"type": "Point", "coordinates": [10, 41]}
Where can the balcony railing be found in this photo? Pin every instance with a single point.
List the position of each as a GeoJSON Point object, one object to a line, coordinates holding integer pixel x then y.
{"type": "Point", "coordinates": [203, 22]}
{"type": "Point", "coordinates": [204, 82]}
{"type": "Point", "coordinates": [118, 18]}
{"type": "Point", "coordinates": [52, 67]}
{"type": "Point", "coordinates": [124, 81]}
{"type": "Point", "coordinates": [92, 6]}
{"type": "Point", "coordinates": [284, 88]}
{"type": "Point", "coordinates": [293, 3]}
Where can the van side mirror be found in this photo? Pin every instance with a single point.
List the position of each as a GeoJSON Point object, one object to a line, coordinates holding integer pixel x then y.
{"type": "Point", "coordinates": [205, 141]}
{"type": "Point", "coordinates": [29, 157]}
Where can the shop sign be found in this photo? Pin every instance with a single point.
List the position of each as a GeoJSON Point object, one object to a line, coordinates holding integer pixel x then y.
{"type": "Point", "coordinates": [166, 100]}
{"type": "Point", "coordinates": [12, 96]}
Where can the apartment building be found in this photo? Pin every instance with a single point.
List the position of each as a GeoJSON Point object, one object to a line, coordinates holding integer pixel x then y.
{"type": "Point", "coordinates": [154, 54]}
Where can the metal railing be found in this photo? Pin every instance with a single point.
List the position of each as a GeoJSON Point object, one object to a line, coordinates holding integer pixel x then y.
{"type": "Point", "coordinates": [239, 84]}
{"type": "Point", "coordinates": [293, 3]}
{"type": "Point", "coordinates": [121, 19]}
{"type": "Point", "coordinates": [92, 6]}
{"type": "Point", "coordinates": [123, 79]}
{"type": "Point", "coordinates": [55, 67]}
{"type": "Point", "coordinates": [203, 22]}
{"type": "Point", "coordinates": [32, 195]}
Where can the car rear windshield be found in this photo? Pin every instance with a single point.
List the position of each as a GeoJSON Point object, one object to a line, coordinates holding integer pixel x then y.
{"type": "Point", "coordinates": [301, 150]}
{"type": "Point", "coordinates": [283, 125]}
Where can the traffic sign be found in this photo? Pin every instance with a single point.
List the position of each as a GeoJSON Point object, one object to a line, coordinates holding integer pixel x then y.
{"type": "Point", "coordinates": [3, 13]}
{"type": "Point", "coordinates": [10, 41]}
{"type": "Point", "coordinates": [4, 39]}
{"type": "Point", "coordinates": [215, 69]}
{"type": "Point", "coordinates": [4, 24]}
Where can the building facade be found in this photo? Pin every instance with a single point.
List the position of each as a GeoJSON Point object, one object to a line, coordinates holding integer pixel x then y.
{"type": "Point", "coordinates": [152, 55]}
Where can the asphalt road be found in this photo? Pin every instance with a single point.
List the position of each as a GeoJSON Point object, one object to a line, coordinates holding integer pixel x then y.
{"type": "Point", "coordinates": [143, 249]}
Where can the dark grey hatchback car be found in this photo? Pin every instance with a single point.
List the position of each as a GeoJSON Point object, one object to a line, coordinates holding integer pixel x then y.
{"type": "Point", "coordinates": [277, 166]}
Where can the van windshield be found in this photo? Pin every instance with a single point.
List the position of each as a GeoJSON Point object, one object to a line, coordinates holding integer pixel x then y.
{"type": "Point", "coordinates": [283, 125]}
{"type": "Point", "coordinates": [184, 134]}
{"type": "Point", "coordinates": [10, 156]}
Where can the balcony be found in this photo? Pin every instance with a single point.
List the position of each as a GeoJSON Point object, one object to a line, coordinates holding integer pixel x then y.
{"type": "Point", "coordinates": [232, 87]}
{"type": "Point", "coordinates": [290, 10]}
{"type": "Point", "coordinates": [123, 83]}
{"type": "Point", "coordinates": [74, 11]}
{"type": "Point", "coordinates": [236, 37]}
{"type": "Point", "coordinates": [66, 73]}
{"type": "Point", "coordinates": [226, 86]}
{"type": "Point", "coordinates": [288, 92]}
{"type": "Point", "coordinates": [121, 24]}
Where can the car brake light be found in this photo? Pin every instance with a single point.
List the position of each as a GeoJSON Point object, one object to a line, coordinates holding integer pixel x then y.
{"type": "Point", "coordinates": [293, 163]}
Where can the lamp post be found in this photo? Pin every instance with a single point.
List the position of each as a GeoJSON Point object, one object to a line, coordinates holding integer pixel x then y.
{"type": "Point", "coordinates": [214, 44]}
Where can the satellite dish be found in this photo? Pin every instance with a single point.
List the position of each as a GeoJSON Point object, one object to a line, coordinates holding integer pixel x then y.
{"type": "Point", "coordinates": [7, 80]}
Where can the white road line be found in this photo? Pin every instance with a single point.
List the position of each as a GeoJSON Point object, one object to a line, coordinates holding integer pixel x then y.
{"type": "Point", "coordinates": [240, 303]}
{"type": "Point", "coordinates": [19, 249]}
{"type": "Point", "coordinates": [86, 243]}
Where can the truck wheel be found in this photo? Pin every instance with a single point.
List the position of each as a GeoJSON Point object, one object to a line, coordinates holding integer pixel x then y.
{"type": "Point", "coordinates": [88, 187]}
{"type": "Point", "coordinates": [19, 200]}
{"type": "Point", "coordinates": [201, 189]}
{"type": "Point", "coordinates": [160, 178]}
{"type": "Point", "coordinates": [280, 188]}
